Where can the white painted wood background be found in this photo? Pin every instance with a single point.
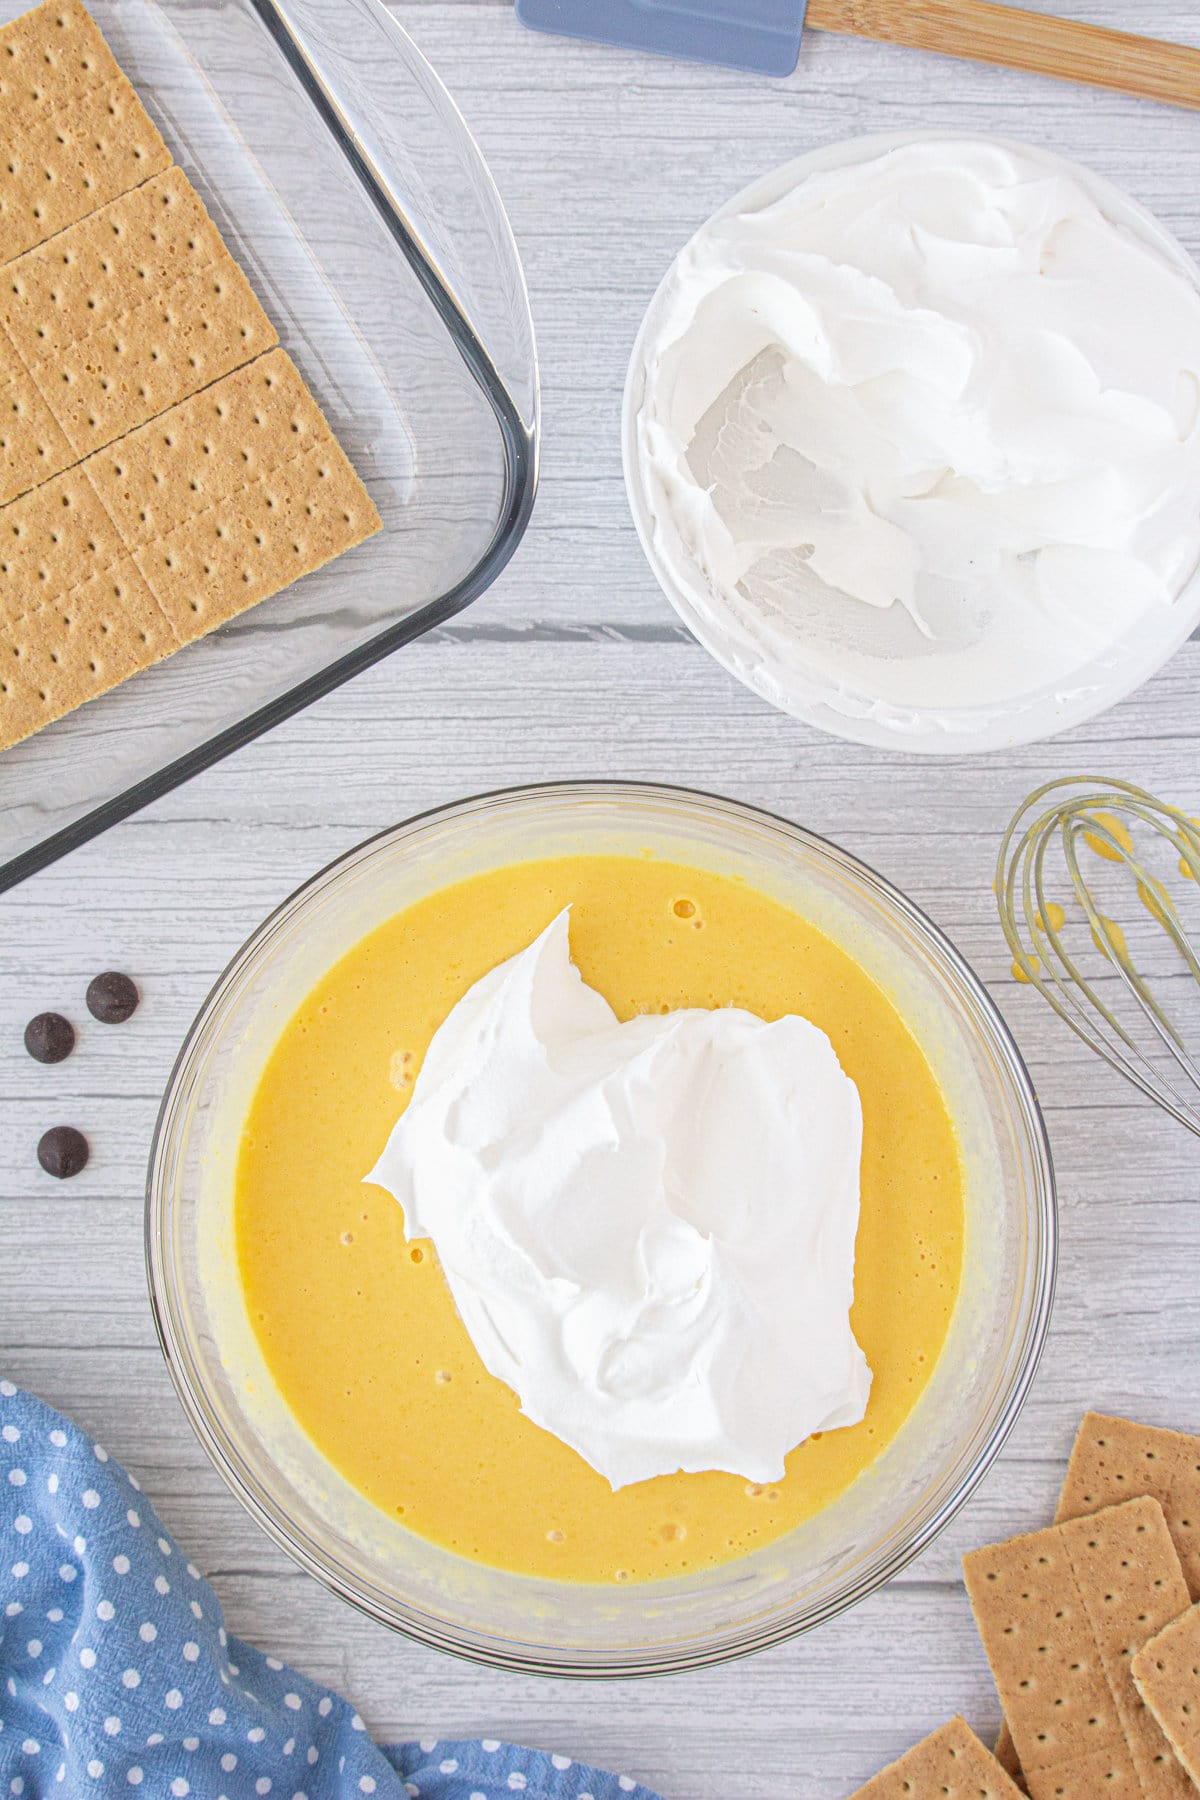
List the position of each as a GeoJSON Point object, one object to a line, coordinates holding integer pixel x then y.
{"type": "Point", "coordinates": [574, 666]}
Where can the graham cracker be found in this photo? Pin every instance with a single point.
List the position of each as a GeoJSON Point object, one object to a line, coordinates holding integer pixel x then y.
{"type": "Point", "coordinates": [1114, 1460]}
{"type": "Point", "coordinates": [1005, 1753]}
{"type": "Point", "coordinates": [1061, 1613]}
{"type": "Point", "coordinates": [129, 311]}
{"type": "Point", "coordinates": [950, 1762]}
{"type": "Point", "coordinates": [75, 134]}
{"type": "Point", "coordinates": [162, 465]}
{"type": "Point", "coordinates": [32, 445]}
{"type": "Point", "coordinates": [1166, 1673]}
{"type": "Point", "coordinates": [233, 495]}
{"type": "Point", "coordinates": [76, 617]}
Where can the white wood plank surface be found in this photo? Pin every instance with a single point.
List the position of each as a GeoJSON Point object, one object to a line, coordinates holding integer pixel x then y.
{"type": "Point", "coordinates": [575, 666]}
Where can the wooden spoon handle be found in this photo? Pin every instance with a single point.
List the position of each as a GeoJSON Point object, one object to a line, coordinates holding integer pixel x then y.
{"type": "Point", "coordinates": [1016, 39]}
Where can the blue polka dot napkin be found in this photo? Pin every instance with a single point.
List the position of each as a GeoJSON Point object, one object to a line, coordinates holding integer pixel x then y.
{"type": "Point", "coordinates": [117, 1676]}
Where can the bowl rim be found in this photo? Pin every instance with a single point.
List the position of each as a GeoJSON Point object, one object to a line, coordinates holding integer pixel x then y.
{"type": "Point", "coordinates": [968, 731]}
{"type": "Point", "coordinates": [517, 1656]}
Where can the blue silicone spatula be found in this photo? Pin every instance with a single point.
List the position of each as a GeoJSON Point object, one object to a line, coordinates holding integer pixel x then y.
{"type": "Point", "coordinates": [764, 35]}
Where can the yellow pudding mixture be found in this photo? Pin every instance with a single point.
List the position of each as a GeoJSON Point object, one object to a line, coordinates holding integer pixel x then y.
{"type": "Point", "coordinates": [358, 1326]}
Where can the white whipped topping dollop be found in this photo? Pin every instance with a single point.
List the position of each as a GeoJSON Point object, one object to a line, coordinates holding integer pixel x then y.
{"type": "Point", "coordinates": [921, 433]}
{"type": "Point", "coordinates": [648, 1228]}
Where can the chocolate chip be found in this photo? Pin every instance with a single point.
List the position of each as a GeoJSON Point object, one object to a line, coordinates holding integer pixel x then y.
{"type": "Point", "coordinates": [49, 1037]}
{"type": "Point", "coordinates": [63, 1151]}
{"type": "Point", "coordinates": [112, 997]}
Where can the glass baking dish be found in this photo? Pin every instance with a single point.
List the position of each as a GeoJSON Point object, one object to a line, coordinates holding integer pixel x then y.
{"type": "Point", "coordinates": [349, 188]}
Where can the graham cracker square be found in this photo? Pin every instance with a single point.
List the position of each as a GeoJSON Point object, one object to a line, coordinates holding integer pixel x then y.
{"type": "Point", "coordinates": [233, 495]}
{"type": "Point", "coordinates": [76, 617]}
{"type": "Point", "coordinates": [1061, 1613]}
{"type": "Point", "coordinates": [75, 133]}
{"type": "Point", "coordinates": [32, 445]}
{"type": "Point", "coordinates": [950, 1764]}
{"type": "Point", "coordinates": [129, 311]}
{"type": "Point", "coordinates": [52, 538]}
{"type": "Point", "coordinates": [1166, 1673]}
{"type": "Point", "coordinates": [1114, 1459]}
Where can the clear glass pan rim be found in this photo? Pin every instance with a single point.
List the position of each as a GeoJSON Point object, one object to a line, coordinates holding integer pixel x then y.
{"type": "Point", "coordinates": [535, 1659]}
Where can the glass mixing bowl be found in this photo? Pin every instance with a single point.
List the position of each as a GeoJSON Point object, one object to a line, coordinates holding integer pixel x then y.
{"type": "Point", "coordinates": [560, 1628]}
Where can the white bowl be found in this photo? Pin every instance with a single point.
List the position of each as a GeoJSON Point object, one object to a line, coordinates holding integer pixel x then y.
{"type": "Point", "coordinates": [805, 691]}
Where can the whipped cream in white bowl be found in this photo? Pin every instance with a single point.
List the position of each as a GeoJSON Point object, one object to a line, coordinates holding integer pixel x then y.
{"type": "Point", "coordinates": [912, 441]}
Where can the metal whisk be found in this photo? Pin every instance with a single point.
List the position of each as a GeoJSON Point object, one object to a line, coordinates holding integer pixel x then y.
{"type": "Point", "coordinates": [1129, 987]}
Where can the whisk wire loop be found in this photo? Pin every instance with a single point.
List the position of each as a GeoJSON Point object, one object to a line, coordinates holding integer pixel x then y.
{"type": "Point", "coordinates": [1075, 825]}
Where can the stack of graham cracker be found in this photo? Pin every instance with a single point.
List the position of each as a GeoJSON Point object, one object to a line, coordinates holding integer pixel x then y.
{"type": "Point", "coordinates": [1092, 1636]}
{"type": "Point", "coordinates": [162, 464]}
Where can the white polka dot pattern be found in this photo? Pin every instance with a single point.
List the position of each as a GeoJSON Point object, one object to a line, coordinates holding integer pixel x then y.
{"type": "Point", "coordinates": [112, 1678]}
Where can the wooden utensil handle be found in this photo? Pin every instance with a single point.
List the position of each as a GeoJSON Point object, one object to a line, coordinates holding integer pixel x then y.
{"type": "Point", "coordinates": [1016, 39]}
